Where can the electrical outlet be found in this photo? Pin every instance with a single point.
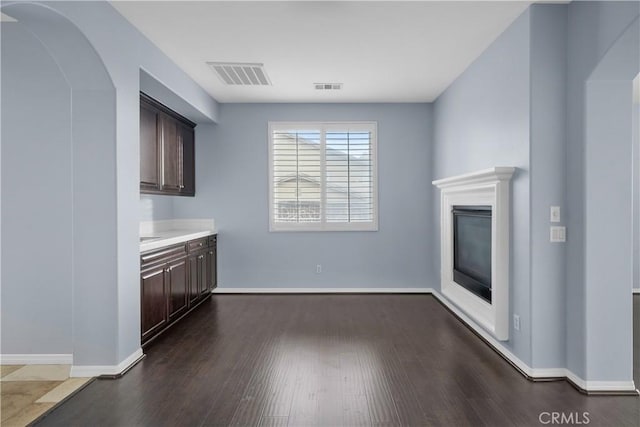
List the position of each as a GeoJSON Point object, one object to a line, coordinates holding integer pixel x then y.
{"type": "Point", "coordinates": [557, 234]}
{"type": "Point", "coordinates": [319, 268]}
{"type": "Point", "coordinates": [554, 214]}
{"type": "Point", "coordinates": [516, 322]}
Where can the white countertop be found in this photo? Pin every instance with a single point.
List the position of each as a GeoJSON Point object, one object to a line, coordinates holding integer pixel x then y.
{"type": "Point", "coordinates": [170, 232]}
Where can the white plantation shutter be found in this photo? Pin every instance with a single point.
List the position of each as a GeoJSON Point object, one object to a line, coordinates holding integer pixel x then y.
{"type": "Point", "coordinates": [296, 175]}
{"type": "Point", "coordinates": [349, 180]}
{"type": "Point", "coordinates": [322, 176]}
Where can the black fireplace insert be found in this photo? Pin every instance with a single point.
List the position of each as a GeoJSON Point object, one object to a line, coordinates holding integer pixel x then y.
{"type": "Point", "coordinates": [472, 249]}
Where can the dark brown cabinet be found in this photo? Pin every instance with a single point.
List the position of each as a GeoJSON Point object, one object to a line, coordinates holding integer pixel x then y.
{"type": "Point", "coordinates": [198, 275]}
{"type": "Point", "coordinates": [188, 159]}
{"type": "Point", "coordinates": [178, 290]}
{"type": "Point", "coordinates": [153, 301]}
{"type": "Point", "coordinates": [194, 295]}
{"type": "Point", "coordinates": [173, 281]}
{"type": "Point", "coordinates": [167, 150]}
{"type": "Point", "coordinates": [212, 265]}
{"type": "Point", "coordinates": [170, 149]}
{"type": "Point", "coordinates": [200, 267]}
{"type": "Point", "coordinates": [149, 155]}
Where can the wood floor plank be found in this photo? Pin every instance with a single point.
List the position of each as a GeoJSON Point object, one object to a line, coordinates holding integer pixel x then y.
{"type": "Point", "coordinates": [382, 407]}
{"type": "Point", "coordinates": [274, 422]}
{"type": "Point", "coordinates": [355, 410]}
{"type": "Point", "coordinates": [329, 360]}
{"type": "Point", "coordinates": [237, 385]}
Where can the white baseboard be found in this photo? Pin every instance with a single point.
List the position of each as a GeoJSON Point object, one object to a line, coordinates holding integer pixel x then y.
{"type": "Point", "coordinates": [95, 371]}
{"type": "Point", "coordinates": [636, 290]}
{"type": "Point", "coordinates": [600, 386]}
{"type": "Point", "coordinates": [36, 359]}
{"type": "Point", "coordinates": [538, 373]}
{"type": "Point", "coordinates": [489, 338]}
{"type": "Point", "coordinates": [322, 291]}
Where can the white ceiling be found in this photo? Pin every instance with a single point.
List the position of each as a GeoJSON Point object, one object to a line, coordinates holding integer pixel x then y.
{"type": "Point", "coordinates": [380, 51]}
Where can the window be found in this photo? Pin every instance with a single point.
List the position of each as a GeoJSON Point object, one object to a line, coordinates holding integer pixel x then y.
{"type": "Point", "coordinates": [322, 176]}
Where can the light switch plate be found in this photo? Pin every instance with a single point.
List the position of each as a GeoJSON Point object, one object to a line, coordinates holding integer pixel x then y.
{"type": "Point", "coordinates": [554, 214]}
{"type": "Point", "coordinates": [557, 234]}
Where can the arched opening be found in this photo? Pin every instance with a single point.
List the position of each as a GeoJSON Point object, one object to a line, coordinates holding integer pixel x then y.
{"type": "Point", "coordinates": [608, 212]}
{"type": "Point", "coordinates": [635, 122]}
{"type": "Point", "coordinates": [59, 254]}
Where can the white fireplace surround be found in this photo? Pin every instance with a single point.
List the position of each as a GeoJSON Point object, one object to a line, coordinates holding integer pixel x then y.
{"type": "Point", "coordinates": [488, 187]}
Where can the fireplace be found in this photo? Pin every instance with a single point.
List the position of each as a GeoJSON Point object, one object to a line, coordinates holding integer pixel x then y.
{"type": "Point", "coordinates": [474, 246]}
{"type": "Point", "coordinates": [472, 249]}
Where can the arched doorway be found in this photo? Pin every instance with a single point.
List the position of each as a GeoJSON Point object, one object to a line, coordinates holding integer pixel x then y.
{"type": "Point", "coordinates": [59, 253]}
{"type": "Point", "coordinates": [608, 213]}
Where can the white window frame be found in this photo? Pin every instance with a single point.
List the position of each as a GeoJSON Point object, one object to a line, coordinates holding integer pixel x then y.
{"type": "Point", "coordinates": [323, 127]}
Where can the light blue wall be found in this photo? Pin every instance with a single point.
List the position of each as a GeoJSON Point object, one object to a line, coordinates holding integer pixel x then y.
{"type": "Point", "coordinates": [608, 183]}
{"type": "Point", "coordinates": [156, 207]}
{"type": "Point", "coordinates": [164, 94]}
{"type": "Point", "coordinates": [533, 79]}
{"type": "Point", "coordinates": [124, 52]}
{"type": "Point", "coordinates": [481, 121]}
{"type": "Point", "coordinates": [106, 310]}
{"type": "Point", "coordinates": [547, 169]}
{"type": "Point", "coordinates": [636, 196]}
{"type": "Point", "coordinates": [36, 198]}
{"type": "Point", "coordinates": [232, 186]}
{"type": "Point", "coordinates": [92, 188]}
{"type": "Point", "coordinates": [593, 28]}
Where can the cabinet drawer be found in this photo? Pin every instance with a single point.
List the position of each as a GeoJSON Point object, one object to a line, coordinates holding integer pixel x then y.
{"type": "Point", "coordinates": [163, 254]}
{"type": "Point", "coordinates": [195, 245]}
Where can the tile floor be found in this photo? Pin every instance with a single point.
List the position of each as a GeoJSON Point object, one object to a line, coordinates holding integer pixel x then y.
{"type": "Point", "coordinates": [28, 391]}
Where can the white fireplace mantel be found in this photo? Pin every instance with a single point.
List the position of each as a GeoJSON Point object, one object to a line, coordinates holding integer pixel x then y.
{"type": "Point", "coordinates": [488, 187]}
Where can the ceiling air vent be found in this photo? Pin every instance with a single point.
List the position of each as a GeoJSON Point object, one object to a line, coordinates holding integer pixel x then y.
{"type": "Point", "coordinates": [327, 86]}
{"type": "Point", "coordinates": [241, 74]}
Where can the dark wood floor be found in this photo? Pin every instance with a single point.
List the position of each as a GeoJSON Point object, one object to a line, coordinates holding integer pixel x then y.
{"type": "Point", "coordinates": [328, 360]}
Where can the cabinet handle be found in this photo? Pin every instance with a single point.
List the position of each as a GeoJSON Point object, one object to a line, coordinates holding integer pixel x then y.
{"type": "Point", "coordinates": [201, 257]}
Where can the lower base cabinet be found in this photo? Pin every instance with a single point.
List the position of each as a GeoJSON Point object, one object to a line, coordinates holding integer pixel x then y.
{"type": "Point", "coordinates": [198, 264]}
{"type": "Point", "coordinates": [173, 281]}
{"type": "Point", "coordinates": [194, 273]}
{"type": "Point", "coordinates": [153, 298]}
{"type": "Point", "coordinates": [178, 288]}
{"type": "Point", "coordinates": [212, 268]}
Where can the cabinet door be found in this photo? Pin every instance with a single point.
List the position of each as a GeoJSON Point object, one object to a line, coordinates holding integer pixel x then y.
{"type": "Point", "coordinates": [149, 154]}
{"type": "Point", "coordinates": [187, 141]}
{"type": "Point", "coordinates": [194, 286]}
{"type": "Point", "coordinates": [153, 300]}
{"type": "Point", "coordinates": [212, 261]}
{"type": "Point", "coordinates": [171, 169]}
{"type": "Point", "coordinates": [177, 284]}
{"type": "Point", "coordinates": [202, 272]}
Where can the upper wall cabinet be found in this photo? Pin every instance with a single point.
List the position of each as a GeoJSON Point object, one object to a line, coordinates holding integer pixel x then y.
{"type": "Point", "coordinates": [167, 150]}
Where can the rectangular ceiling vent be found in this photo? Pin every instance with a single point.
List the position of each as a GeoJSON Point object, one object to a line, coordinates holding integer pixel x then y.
{"type": "Point", "coordinates": [327, 86]}
{"type": "Point", "coordinates": [241, 74]}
